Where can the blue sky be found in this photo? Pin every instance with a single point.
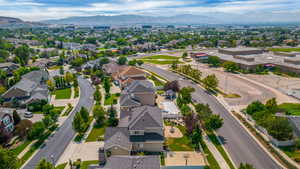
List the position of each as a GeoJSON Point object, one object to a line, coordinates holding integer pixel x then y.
{"type": "Point", "coordinates": [35, 10]}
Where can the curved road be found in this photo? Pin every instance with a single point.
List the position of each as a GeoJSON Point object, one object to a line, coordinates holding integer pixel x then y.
{"type": "Point", "coordinates": [237, 141]}
{"type": "Point", "coordinates": [57, 143]}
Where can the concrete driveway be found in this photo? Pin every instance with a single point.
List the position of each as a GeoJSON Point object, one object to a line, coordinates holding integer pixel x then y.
{"type": "Point", "coordinates": [85, 151]}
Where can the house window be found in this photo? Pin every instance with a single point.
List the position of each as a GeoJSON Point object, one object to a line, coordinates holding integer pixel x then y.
{"type": "Point", "coordinates": [137, 132]}
{"type": "Point", "coordinates": [140, 145]}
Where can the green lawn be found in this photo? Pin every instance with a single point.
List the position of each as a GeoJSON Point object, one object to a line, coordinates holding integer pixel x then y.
{"type": "Point", "coordinates": [180, 144]}
{"type": "Point", "coordinates": [156, 81]}
{"type": "Point", "coordinates": [285, 49]}
{"type": "Point", "coordinates": [85, 164]}
{"type": "Point", "coordinates": [112, 99]}
{"type": "Point", "coordinates": [290, 108]}
{"type": "Point", "coordinates": [96, 134]}
{"type": "Point", "coordinates": [61, 166]}
{"type": "Point", "coordinates": [63, 93]}
{"type": "Point", "coordinates": [160, 62]}
{"type": "Point", "coordinates": [166, 57]}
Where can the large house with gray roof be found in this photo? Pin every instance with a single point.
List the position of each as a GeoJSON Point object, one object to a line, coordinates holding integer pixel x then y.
{"type": "Point", "coordinates": [138, 93]}
{"type": "Point", "coordinates": [141, 130]}
{"type": "Point", "coordinates": [32, 87]}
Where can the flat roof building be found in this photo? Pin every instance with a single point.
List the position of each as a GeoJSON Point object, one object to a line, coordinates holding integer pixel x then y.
{"type": "Point", "coordinates": [240, 51]}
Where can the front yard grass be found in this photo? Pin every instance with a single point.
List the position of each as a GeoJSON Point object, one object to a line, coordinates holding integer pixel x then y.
{"type": "Point", "coordinates": [112, 99]}
{"type": "Point", "coordinates": [290, 108]}
{"type": "Point", "coordinates": [85, 164]}
{"type": "Point", "coordinates": [61, 166]}
{"type": "Point", "coordinates": [180, 144]}
{"type": "Point", "coordinates": [63, 93]}
{"type": "Point", "coordinates": [96, 134]}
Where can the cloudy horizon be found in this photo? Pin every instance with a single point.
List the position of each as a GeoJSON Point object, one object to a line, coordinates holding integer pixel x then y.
{"type": "Point", "coordinates": [37, 10]}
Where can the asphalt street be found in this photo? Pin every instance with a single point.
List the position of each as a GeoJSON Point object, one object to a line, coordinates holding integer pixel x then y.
{"type": "Point", "coordinates": [237, 141]}
{"type": "Point", "coordinates": [57, 143]}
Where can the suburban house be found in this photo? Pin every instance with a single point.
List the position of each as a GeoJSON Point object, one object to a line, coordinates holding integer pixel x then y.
{"type": "Point", "coordinates": [130, 162]}
{"type": "Point", "coordinates": [6, 122]}
{"type": "Point", "coordinates": [112, 68]}
{"type": "Point", "coordinates": [142, 130]}
{"type": "Point", "coordinates": [9, 67]}
{"type": "Point", "coordinates": [32, 87]}
{"type": "Point", "coordinates": [138, 93]}
{"type": "Point", "coordinates": [127, 74]}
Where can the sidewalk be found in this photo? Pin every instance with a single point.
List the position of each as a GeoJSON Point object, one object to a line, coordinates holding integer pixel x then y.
{"type": "Point", "coordinates": [219, 158]}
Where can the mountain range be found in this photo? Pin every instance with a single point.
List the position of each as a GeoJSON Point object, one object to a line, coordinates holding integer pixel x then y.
{"type": "Point", "coordinates": [184, 19]}
{"type": "Point", "coordinates": [10, 22]}
{"type": "Point", "coordinates": [133, 20]}
{"type": "Point", "coordinates": [207, 18]}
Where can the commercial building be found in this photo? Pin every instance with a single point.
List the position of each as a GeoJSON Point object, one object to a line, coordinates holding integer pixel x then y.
{"type": "Point", "coordinates": [250, 58]}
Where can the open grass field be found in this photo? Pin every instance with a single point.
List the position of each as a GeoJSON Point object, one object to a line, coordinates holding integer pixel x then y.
{"type": "Point", "coordinates": [165, 57]}
{"type": "Point", "coordinates": [290, 108]}
{"type": "Point", "coordinates": [161, 62]}
{"type": "Point", "coordinates": [63, 93]}
{"type": "Point", "coordinates": [285, 49]}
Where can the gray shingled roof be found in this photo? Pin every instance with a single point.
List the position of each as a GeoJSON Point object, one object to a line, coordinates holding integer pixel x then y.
{"type": "Point", "coordinates": [133, 162]}
{"type": "Point", "coordinates": [36, 76]}
{"type": "Point", "coordinates": [117, 136]}
{"type": "Point", "coordinates": [126, 100]}
{"type": "Point", "coordinates": [145, 116]}
{"type": "Point", "coordinates": [25, 85]}
{"type": "Point", "coordinates": [140, 86]}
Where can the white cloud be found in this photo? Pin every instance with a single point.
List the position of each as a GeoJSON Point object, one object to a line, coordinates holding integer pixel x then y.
{"type": "Point", "coordinates": [8, 3]}
{"type": "Point", "coordinates": [30, 10]}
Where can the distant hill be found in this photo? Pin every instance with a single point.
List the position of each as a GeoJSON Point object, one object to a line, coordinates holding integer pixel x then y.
{"type": "Point", "coordinates": [9, 22]}
{"type": "Point", "coordinates": [133, 19]}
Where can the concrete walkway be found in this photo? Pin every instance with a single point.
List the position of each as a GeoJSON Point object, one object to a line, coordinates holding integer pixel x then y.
{"type": "Point", "coordinates": [218, 156]}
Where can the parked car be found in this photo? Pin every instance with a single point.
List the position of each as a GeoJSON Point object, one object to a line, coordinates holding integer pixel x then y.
{"type": "Point", "coordinates": [28, 115]}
